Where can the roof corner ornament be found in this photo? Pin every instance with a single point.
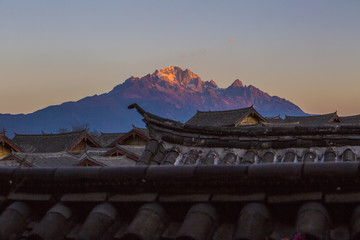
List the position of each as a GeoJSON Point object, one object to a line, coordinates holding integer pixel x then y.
{"type": "Point", "coordinates": [138, 108]}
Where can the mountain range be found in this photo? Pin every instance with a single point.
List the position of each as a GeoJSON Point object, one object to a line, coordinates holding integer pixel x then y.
{"type": "Point", "coordinates": [169, 92]}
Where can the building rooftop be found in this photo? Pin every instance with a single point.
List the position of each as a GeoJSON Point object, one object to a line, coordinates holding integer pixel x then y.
{"type": "Point", "coordinates": [351, 119]}
{"type": "Point", "coordinates": [45, 143]}
{"type": "Point", "coordinates": [106, 139]}
{"type": "Point", "coordinates": [222, 118]}
{"type": "Point", "coordinates": [314, 119]}
{"type": "Point", "coordinates": [266, 181]}
{"type": "Point", "coordinates": [273, 201]}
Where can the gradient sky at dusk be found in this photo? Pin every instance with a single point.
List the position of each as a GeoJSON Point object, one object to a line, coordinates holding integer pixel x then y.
{"type": "Point", "coordinates": [304, 50]}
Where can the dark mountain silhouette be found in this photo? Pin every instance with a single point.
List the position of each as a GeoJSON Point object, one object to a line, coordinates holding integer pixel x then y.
{"type": "Point", "coordinates": [170, 92]}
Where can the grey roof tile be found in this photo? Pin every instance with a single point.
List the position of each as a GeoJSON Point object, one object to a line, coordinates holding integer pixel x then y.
{"type": "Point", "coordinates": [351, 119]}
{"type": "Point", "coordinates": [45, 143]}
{"type": "Point", "coordinates": [314, 119]}
{"type": "Point", "coordinates": [221, 118]}
{"type": "Point", "coordinates": [59, 159]}
{"type": "Point", "coordinates": [107, 138]}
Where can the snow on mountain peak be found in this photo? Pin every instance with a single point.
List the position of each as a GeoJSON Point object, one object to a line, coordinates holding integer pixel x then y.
{"type": "Point", "coordinates": [171, 69]}
{"type": "Point", "coordinates": [177, 76]}
{"type": "Point", "coordinates": [166, 77]}
{"type": "Point", "coordinates": [168, 74]}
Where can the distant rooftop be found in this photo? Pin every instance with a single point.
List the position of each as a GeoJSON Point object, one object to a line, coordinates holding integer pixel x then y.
{"type": "Point", "coordinates": [223, 118]}
{"type": "Point", "coordinates": [315, 119]}
{"type": "Point", "coordinates": [43, 143]}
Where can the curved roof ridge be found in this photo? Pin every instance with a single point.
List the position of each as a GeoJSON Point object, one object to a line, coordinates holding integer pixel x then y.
{"type": "Point", "coordinates": [90, 158]}
{"type": "Point", "coordinates": [44, 153]}
{"type": "Point", "coordinates": [51, 134]}
{"type": "Point", "coordinates": [145, 114]}
{"type": "Point", "coordinates": [314, 119]}
{"type": "Point", "coordinates": [231, 110]}
{"type": "Point", "coordinates": [357, 115]}
{"type": "Point", "coordinates": [314, 115]}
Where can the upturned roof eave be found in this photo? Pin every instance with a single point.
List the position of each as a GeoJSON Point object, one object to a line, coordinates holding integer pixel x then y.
{"type": "Point", "coordinates": [254, 130]}
{"type": "Point", "coordinates": [157, 124]}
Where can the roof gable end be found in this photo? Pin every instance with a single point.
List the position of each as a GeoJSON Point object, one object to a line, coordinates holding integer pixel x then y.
{"type": "Point", "coordinates": [228, 118]}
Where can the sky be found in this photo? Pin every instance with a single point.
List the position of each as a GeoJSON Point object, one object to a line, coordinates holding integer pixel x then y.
{"type": "Point", "coordinates": [61, 50]}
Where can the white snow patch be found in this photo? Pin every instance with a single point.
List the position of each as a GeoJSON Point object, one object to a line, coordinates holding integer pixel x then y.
{"type": "Point", "coordinates": [166, 77]}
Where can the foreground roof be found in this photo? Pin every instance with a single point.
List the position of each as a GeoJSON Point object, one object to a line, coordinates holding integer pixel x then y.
{"type": "Point", "coordinates": [271, 201]}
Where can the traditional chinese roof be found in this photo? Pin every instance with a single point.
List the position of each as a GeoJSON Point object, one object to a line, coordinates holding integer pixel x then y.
{"type": "Point", "coordinates": [157, 153]}
{"type": "Point", "coordinates": [45, 143]}
{"type": "Point", "coordinates": [140, 132]}
{"type": "Point", "coordinates": [175, 143]}
{"type": "Point", "coordinates": [95, 151]}
{"type": "Point", "coordinates": [269, 181]}
{"type": "Point", "coordinates": [227, 118]}
{"type": "Point", "coordinates": [58, 159]}
{"type": "Point", "coordinates": [351, 119]}
{"type": "Point", "coordinates": [260, 136]}
{"type": "Point", "coordinates": [314, 119]}
{"type": "Point", "coordinates": [107, 161]}
{"type": "Point", "coordinates": [251, 201]}
{"type": "Point", "coordinates": [107, 138]}
{"type": "Point", "coordinates": [5, 140]}
{"type": "Point", "coordinates": [98, 156]}
{"type": "Point", "coordinates": [11, 163]}
{"type": "Point", "coordinates": [131, 151]}
{"type": "Point", "coordinates": [276, 119]}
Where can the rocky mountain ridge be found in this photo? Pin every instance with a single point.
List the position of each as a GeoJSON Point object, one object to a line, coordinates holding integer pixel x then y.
{"type": "Point", "coordinates": [169, 92]}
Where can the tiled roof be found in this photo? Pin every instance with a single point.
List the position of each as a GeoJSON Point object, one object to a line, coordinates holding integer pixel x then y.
{"type": "Point", "coordinates": [276, 119]}
{"type": "Point", "coordinates": [314, 119]}
{"type": "Point", "coordinates": [10, 163]}
{"type": "Point", "coordinates": [127, 149]}
{"type": "Point", "coordinates": [177, 143]}
{"type": "Point", "coordinates": [141, 132]}
{"type": "Point", "coordinates": [351, 119]}
{"type": "Point", "coordinates": [45, 143]}
{"type": "Point", "coordinates": [59, 159]}
{"type": "Point", "coordinates": [221, 118]}
{"type": "Point", "coordinates": [106, 138]}
{"type": "Point", "coordinates": [114, 161]}
{"type": "Point", "coordinates": [266, 201]}
{"type": "Point", "coordinates": [94, 151]}
{"type": "Point", "coordinates": [5, 140]}
{"type": "Point", "coordinates": [66, 159]}
{"type": "Point", "coordinates": [157, 153]}
{"type": "Point", "coordinates": [197, 183]}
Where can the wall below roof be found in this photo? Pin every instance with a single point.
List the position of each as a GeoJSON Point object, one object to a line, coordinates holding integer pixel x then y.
{"type": "Point", "coordinates": [4, 151]}
{"type": "Point", "coordinates": [249, 120]}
